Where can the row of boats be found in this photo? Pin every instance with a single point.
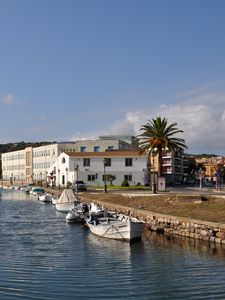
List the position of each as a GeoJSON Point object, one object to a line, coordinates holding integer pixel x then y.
{"type": "Point", "coordinates": [100, 221]}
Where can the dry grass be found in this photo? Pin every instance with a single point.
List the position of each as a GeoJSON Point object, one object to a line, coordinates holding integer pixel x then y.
{"type": "Point", "coordinates": [212, 210]}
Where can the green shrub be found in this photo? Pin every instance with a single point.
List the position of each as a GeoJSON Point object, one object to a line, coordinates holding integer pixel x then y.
{"type": "Point", "coordinates": [125, 183]}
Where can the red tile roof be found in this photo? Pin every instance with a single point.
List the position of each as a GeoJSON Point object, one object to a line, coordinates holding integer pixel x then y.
{"type": "Point", "coordinates": [113, 153]}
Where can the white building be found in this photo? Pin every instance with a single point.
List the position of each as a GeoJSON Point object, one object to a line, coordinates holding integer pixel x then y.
{"type": "Point", "coordinates": [91, 167]}
{"type": "Point", "coordinates": [31, 164]}
{"type": "Point", "coordinates": [104, 143]}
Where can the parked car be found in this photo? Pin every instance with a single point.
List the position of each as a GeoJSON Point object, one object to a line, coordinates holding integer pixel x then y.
{"type": "Point", "coordinates": [80, 186]}
{"type": "Point", "coordinates": [208, 184]}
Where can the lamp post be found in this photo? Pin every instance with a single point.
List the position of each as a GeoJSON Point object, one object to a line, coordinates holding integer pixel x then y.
{"type": "Point", "coordinates": [59, 179]}
{"type": "Point", "coordinates": [218, 178]}
{"type": "Point", "coordinates": [153, 172]}
{"type": "Point", "coordinates": [200, 178]}
{"type": "Point", "coordinates": [105, 185]}
{"type": "Point", "coordinates": [76, 168]}
{"type": "Point", "coordinates": [66, 177]}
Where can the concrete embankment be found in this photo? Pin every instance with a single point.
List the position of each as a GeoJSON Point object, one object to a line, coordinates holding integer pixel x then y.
{"type": "Point", "coordinates": [202, 230]}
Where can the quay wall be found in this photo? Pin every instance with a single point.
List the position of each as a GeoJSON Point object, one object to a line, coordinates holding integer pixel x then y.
{"type": "Point", "coordinates": [201, 230]}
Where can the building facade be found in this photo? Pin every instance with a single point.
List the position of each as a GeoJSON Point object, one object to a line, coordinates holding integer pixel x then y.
{"type": "Point", "coordinates": [172, 167]}
{"type": "Point", "coordinates": [94, 167]}
{"type": "Point", "coordinates": [31, 164]}
{"type": "Point", "coordinates": [104, 143]}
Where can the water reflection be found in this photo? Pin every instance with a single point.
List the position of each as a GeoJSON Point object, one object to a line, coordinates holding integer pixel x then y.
{"type": "Point", "coordinates": [177, 243]}
{"type": "Point", "coordinates": [43, 257]}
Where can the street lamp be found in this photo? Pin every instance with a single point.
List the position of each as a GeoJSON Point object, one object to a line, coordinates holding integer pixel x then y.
{"type": "Point", "coordinates": [66, 177]}
{"type": "Point", "coordinates": [200, 176]}
{"type": "Point", "coordinates": [76, 168]}
{"type": "Point", "coordinates": [105, 185]}
{"type": "Point", "coordinates": [59, 179]}
{"type": "Point", "coordinates": [153, 172]}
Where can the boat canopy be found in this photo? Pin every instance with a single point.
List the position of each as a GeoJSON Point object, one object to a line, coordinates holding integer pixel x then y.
{"type": "Point", "coordinates": [67, 196]}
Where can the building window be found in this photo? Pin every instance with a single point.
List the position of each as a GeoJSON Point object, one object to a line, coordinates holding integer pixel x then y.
{"type": "Point", "coordinates": [107, 162]}
{"type": "Point", "coordinates": [63, 160]}
{"type": "Point", "coordinates": [86, 162]}
{"type": "Point", "coordinates": [83, 149]}
{"type": "Point", "coordinates": [128, 162]}
{"type": "Point", "coordinates": [128, 177]}
{"type": "Point", "coordinates": [91, 178]}
{"type": "Point", "coordinates": [96, 148]}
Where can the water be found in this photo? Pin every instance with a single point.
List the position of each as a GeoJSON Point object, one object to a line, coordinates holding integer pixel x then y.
{"type": "Point", "coordinates": [43, 257]}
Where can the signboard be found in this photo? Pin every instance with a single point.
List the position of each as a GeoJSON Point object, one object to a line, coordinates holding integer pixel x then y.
{"type": "Point", "coordinates": [161, 184]}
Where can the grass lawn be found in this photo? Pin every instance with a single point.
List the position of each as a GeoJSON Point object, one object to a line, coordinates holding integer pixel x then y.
{"type": "Point", "coordinates": [212, 209]}
{"type": "Point", "coordinates": [119, 187]}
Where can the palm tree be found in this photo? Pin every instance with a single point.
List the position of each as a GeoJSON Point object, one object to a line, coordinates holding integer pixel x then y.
{"type": "Point", "coordinates": [157, 135]}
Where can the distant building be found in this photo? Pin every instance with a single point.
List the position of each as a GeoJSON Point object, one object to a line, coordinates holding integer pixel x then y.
{"type": "Point", "coordinates": [211, 164]}
{"type": "Point", "coordinates": [188, 165]}
{"type": "Point", "coordinates": [32, 164]}
{"type": "Point", "coordinates": [172, 166]}
{"type": "Point", "coordinates": [104, 143]}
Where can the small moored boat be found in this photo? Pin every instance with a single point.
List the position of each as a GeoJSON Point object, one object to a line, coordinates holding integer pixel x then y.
{"type": "Point", "coordinates": [66, 201]}
{"type": "Point", "coordinates": [45, 197]}
{"type": "Point", "coordinates": [118, 227]}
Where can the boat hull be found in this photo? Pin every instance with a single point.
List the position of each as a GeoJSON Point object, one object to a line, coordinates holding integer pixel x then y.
{"type": "Point", "coordinates": [45, 198]}
{"type": "Point", "coordinates": [73, 217]}
{"type": "Point", "coordinates": [64, 207]}
{"type": "Point", "coordinates": [117, 230]}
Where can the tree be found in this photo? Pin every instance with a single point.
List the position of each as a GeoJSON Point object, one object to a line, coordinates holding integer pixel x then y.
{"type": "Point", "coordinates": [157, 135]}
{"type": "Point", "coordinates": [110, 178]}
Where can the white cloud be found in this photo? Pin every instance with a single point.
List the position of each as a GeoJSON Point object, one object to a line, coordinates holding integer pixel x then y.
{"type": "Point", "coordinates": [200, 113]}
{"type": "Point", "coordinates": [200, 116]}
{"type": "Point", "coordinates": [78, 136]}
{"type": "Point", "coordinates": [9, 99]}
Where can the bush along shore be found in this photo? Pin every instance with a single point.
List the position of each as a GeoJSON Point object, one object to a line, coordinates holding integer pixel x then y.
{"type": "Point", "coordinates": [197, 217]}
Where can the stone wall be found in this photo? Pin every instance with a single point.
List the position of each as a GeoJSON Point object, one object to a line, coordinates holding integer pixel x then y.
{"type": "Point", "coordinates": [197, 229]}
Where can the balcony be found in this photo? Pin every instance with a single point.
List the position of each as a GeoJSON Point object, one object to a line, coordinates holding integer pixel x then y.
{"type": "Point", "coordinates": [167, 170]}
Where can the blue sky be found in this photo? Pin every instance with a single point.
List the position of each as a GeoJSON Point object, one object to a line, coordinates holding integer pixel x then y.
{"type": "Point", "coordinates": [73, 69]}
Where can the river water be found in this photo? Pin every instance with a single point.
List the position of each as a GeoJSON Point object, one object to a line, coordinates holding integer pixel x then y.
{"type": "Point", "coordinates": [43, 257]}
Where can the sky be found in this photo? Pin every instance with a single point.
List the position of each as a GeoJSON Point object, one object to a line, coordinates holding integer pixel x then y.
{"type": "Point", "coordinates": [77, 69]}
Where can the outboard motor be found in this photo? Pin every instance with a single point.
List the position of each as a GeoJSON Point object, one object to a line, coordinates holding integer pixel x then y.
{"type": "Point", "coordinates": [85, 208]}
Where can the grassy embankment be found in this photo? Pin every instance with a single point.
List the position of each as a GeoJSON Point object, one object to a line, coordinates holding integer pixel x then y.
{"type": "Point", "coordinates": [212, 209]}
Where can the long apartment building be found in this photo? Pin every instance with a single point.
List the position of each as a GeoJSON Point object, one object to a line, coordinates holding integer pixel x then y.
{"type": "Point", "coordinates": [32, 164]}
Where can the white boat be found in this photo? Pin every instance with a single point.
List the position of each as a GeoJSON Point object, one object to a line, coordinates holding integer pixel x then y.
{"type": "Point", "coordinates": [54, 199]}
{"type": "Point", "coordinates": [82, 212]}
{"type": "Point", "coordinates": [77, 213]}
{"type": "Point", "coordinates": [45, 197]}
{"type": "Point", "coordinates": [66, 201]}
{"type": "Point", "coordinates": [36, 191]}
{"type": "Point", "coordinates": [119, 227]}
